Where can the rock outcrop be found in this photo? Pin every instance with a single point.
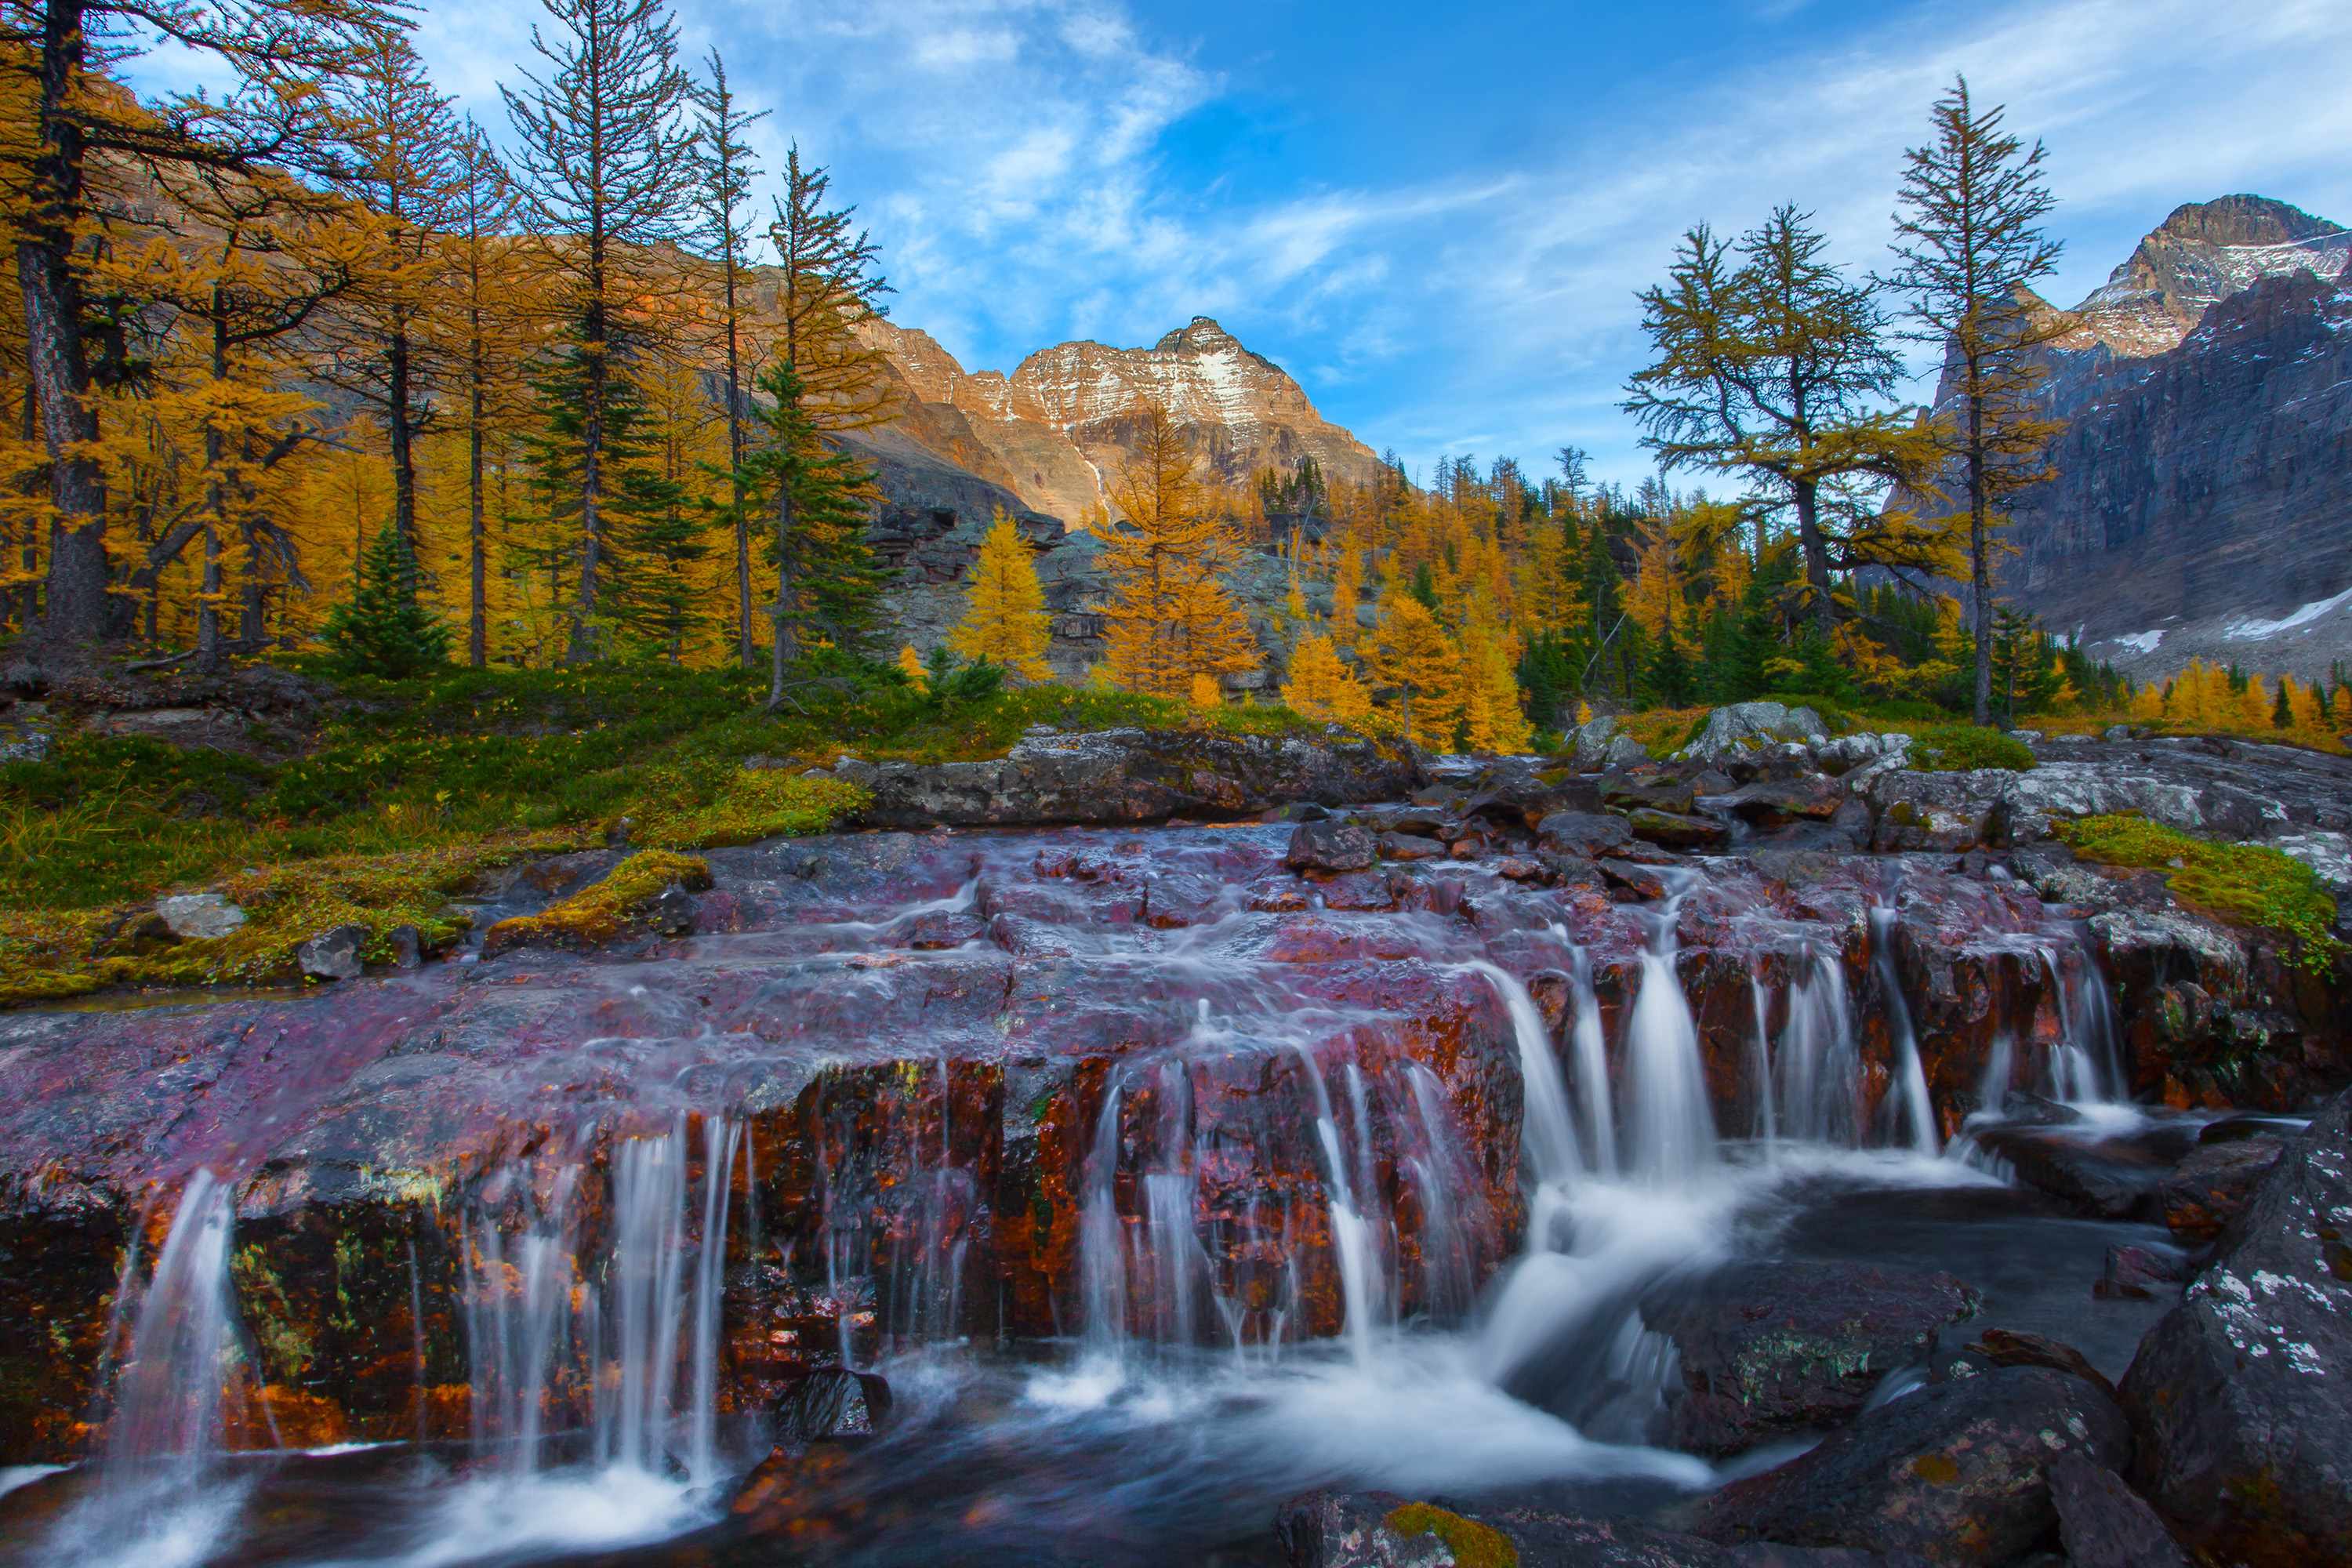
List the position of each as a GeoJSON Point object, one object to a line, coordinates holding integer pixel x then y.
{"type": "Point", "coordinates": [2238, 1395]}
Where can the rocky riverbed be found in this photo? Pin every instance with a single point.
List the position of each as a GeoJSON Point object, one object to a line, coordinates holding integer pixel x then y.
{"type": "Point", "coordinates": [1769, 1154]}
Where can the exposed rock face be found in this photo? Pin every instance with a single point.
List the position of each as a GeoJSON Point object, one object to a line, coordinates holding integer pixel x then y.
{"type": "Point", "coordinates": [1064, 420]}
{"type": "Point", "coordinates": [2238, 1395]}
{"type": "Point", "coordinates": [2197, 507]}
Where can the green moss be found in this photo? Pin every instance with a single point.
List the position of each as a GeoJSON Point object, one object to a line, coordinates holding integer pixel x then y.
{"type": "Point", "coordinates": [2247, 884]}
{"type": "Point", "coordinates": [758, 805]}
{"type": "Point", "coordinates": [1962, 748]}
{"type": "Point", "coordinates": [606, 909]}
{"type": "Point", "coordinates": [1473, 1545]}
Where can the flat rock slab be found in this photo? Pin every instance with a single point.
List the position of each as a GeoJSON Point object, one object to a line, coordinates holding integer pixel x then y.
{"type": "Point", "coordinates": [1770, 1349]}
{"type": "Point", "coordinates": [1957, 1472]}
{"type": "Point", "coordinates": [2207, 1190]}
{"type": "Point", "coordinates": [2242, 1395]}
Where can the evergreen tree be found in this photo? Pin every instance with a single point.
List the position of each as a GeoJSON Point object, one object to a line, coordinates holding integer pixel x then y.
{"type": "Point", "coordinates": [1971, 244]}
{"type": "Point", "coordinates": [1671, 678]}
{"type": "Point", "coordinates": [833, 380]}
{"type": "Point", "coordinates": [1004, 616]}
{"type": "Point", "coordinates": [602, 159]}
{"type": "Point", "coordinates": [382, 630]}
{"type": "Point", "coordinates": [829, 581]}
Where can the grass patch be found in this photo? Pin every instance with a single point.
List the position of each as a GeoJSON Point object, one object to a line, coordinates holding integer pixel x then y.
{"type": "Point", "coordinates": [2246, 884]}
{"type": "Point", "coordinates": [1963, 748]}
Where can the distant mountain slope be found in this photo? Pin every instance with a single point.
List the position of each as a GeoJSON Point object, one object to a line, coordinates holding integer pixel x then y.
{"type": "Point", "coordinates": [1057, 429]}
{"type": "Point", "coordinates": [2202, 503]}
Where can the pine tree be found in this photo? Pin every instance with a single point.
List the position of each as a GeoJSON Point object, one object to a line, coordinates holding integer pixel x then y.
{"type": "Point", "coordinates": [602, 161]}
{"type": "Point", "coordinates": [1671, 678]}
{"type": "Point", "coordinates": [1412, 657]}
{"type": "Point", "coordinates": [724, 170]}
{"type": "Point", "coordinates": [832, 380]}
{"type": "Point", "coordinates": [1767, 368]}
{"type": "Point", "coordinates": [829, 581]}
{"type": "Point", "coordinates": [382, 630]}
{"type": "Point", "coordinates": [1971, 245]}
{"type": "Point", "coordinates": [1004, 616]}
{"type": "Point", "coordinates": [1170, 618]}
{"type": "Point", "coordinates": [1321, 688]}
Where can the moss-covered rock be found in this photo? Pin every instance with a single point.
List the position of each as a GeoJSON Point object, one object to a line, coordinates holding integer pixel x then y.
{"type": "Point", "coordinates": [622, 904]}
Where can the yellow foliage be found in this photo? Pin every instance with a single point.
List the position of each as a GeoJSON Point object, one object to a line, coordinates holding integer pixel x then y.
{"type": "Point", "coordinates": [1169, 618]}
{"type": "Point", "coordinates": [1412, 656]}
{"type": "Point", "coordinates": [1321, 688]}
{"type": "Point", "coordinates": [1206, 692]}
{"type": "Point", "coordinates": [1004, 616]}
{"type": "Point", "coordinates": [1494, 711]}
{"type": "Point", "coordinates": [912, 664]}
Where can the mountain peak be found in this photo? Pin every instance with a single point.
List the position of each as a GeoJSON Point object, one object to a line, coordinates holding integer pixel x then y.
{"type": "Point", "coordinates": [2204, 252]}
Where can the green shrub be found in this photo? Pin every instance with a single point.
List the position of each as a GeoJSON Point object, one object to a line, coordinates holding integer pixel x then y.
{"type": "Point", "coordinates": [1961, 748]}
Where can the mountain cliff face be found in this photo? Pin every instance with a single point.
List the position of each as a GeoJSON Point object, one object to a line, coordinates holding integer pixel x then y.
{"type": "Point", "coordinates": [1056, 429]}
{"type": "Point", "coordinates": [2202, 500]}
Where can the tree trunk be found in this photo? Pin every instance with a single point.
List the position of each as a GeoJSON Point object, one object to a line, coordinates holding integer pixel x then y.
{"type": "Point", "coordinates": [595, 368]}
{"type": "Point", "coordinates": [56, 362]}
{"type": "Point", "coordinates": [477, 620]}
{"type": "Point", "coordinates": [743, 649]}
{"type": "Point", "coordinates": [403, 430]}
{"type": "Point", "coordinates": [1817, 555]}
{"type": "Point", "coordinates": [1979, 557]}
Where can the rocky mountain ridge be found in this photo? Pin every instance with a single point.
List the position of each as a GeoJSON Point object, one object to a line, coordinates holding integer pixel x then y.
{"type": "Point", "coordinates": [1054, 431]}
{"type": "Point", "coordinates": [2201, 501]}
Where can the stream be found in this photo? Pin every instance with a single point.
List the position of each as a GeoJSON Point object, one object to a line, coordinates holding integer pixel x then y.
{"type": "Point", "coordinates": [1160, 1183]}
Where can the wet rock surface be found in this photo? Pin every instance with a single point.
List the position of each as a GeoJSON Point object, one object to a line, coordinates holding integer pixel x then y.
{"type": "Point", "coordinates": [1380, 1530]}
{"type": "Point", "coordinates": [1956, 1472]}
{"type": "Point", "coordinates": [2238, 1395]}
{"type": "Point", "coordinates": [1767, 1349]}
{"type": "Point", "coordinates": [2206, 1190]}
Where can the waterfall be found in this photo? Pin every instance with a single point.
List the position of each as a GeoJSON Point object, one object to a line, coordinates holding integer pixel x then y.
{"type": "Point", "coordinates": [1819, 1064]}
{"type": "Point", "coordinates": [642, 1299]}
{"type": "Point", "coordinates": [2084, 1066]}
{"type": "Point", "coordinates": [1102, 1249]}
{"type": "Point", "coordinates": [719, 1135]}
{"type": "Point", "coordinates": [1759, 1003]}
{"type": "Point", "coordinates": [1352, 1236]}
{"type": "Point", "coordinates": [1591, 1049]}
{"type": "Point", "coordinates": [1548, 1135]}
{"type": "Point", "coordinates": [1910, 1076]}
{"type": "Point", "coordinates": [172, 1401]}
{"type": "Point", "coordinates": [1671, 1128]}
{"type": "Point", "coordinates": [1448, 1280]}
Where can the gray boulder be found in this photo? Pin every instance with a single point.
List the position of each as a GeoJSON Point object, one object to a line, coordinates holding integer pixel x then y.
{"type": "Point", "coordinates": [1332, 847]}
{"type": "Point", "coordinates": [198, 917]}
{"type": "Point", "coordinates": [1750, 726]}
{"type": "Point", "coordinates": [333, 954]}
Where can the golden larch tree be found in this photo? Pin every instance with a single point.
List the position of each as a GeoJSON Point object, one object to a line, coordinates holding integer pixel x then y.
{"type": "Point", "coordinates": [1493, 713]}
{"type": "Point", "coordinates": [1169, 618]}
{"type": "Point", "coordinates": [1321, 688]}
{"type": "Point", "coordinates": [1004, 616]}
{"type": "Point", "coordinates": [1411, 656]}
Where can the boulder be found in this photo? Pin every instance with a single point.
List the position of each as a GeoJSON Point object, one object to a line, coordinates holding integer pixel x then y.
{"type": "Point", "coordinates": [199, 917]}
{"type": "Point", "coordinates": [1515, 796]}
{"type": "Point", "coordinates": [1770, 1350]}
{"type": "Point", "coordinates": [830, 1404]}
{"type": "Point", "coordinates": [407, 947]}
{"type": "Point", "coordinates": [935, 931]}
{"type": "Point", "coordinates": [2238, 1394]}
{"type": "Point", "coordinates": [1589, 834]}
{"type": "Point", "coordinates": [333, 954]}
{"type": "Point", "coordinates": [1674, 830]}
{"type": "Point", "coordinates": [1750, 726]}
{"type": "Point", "coordinates": [1772, 802]}
{"type": "Point", "coordinates": [2103, 1523]}
{"type": "Point", "coordinates": [1943, 813]}
{"type": "Point", "coordinates": [1410, 846]}
{"type": "Point", "coordinates": [673, 912]}
{"type": "Point", "coordinates": [1331, 846]}
{"type": "Point", "coordinates": [2204, 1191]}
{"type": "Point", "coordinates": [1956, 1472]}
{"type": "Point", "coordinates": [2139, 1273]}
{"type": "Point", "coordinates": [1603, 743]}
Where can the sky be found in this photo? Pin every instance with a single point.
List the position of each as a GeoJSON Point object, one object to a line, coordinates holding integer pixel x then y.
{"type": "Point", "coordinates": [1436, 217]}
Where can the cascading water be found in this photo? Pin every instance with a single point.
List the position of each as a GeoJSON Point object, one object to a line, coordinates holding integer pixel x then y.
{"type": "Point", "coordinates": [1590, 1050]}
{"type": "Point", "coordinates": [1910, 1076]}
{"type": "Point", "coordinates": [1670, 1127]}
{"type": "Point", "coordinates": [1818, 1065]}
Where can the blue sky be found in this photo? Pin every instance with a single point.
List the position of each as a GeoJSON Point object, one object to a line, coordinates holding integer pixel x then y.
{"type": "Point", "coordinates": [1435, 216]}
